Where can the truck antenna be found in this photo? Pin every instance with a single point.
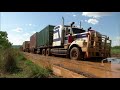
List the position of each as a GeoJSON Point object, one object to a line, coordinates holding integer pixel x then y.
{"type": "Point", "coordinates": [80, 24]}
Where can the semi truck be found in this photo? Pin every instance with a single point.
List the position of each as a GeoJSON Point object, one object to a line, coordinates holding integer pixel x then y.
{"type": "Point", "coordinates": [26, 46]}
{"type": "Point", "coordinates": [72, 41]}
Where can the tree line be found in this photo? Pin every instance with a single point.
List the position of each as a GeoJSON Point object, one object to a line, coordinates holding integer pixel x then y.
{"type": "Point", "coordinates": [4, 42]}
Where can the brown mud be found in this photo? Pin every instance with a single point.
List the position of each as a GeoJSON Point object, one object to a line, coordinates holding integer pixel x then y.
{"type": "Point", "coordinates": [87, 68]}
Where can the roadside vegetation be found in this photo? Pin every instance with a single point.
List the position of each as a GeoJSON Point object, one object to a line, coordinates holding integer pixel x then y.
{"type": "Point", "coordinates": [13, 64]}
{"type": "Point", "coordinates": [115, 50]}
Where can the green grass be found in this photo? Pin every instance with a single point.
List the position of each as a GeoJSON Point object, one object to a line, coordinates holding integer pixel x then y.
{"type": "Point", "coordinates": [24, 68]}
{"type": "Point", "coordinates": [37, 71]}
{"type": "Point", "coordinates": [115, 50]}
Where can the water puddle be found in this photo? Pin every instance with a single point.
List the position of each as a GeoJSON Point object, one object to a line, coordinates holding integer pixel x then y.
{"type": "Point", "coordinates": [114, 66]}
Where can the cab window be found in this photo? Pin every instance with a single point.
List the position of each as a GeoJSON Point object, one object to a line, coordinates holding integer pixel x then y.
{"type": "Point", "coordinates": [67, 31]}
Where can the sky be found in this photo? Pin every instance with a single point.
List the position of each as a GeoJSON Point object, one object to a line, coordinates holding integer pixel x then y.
{"type": "Point", "coordinates": [21, 25]}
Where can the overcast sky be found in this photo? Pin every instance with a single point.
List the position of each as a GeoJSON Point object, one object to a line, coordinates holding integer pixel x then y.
{"type": "Point", "coordinates": [21, 25]}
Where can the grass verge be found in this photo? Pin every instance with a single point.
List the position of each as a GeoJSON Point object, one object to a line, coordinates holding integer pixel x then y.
{"type": "Point", "coordinates": [115, 50]}
{"type": "Point", "coordinates": [15, 65]}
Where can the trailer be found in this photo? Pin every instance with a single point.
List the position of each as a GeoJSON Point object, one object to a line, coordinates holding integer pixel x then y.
{"type": "Point", "coordinates": [45, 39]}
{"type": "Point", "coordinates": [34, 40]}
{"type": "Point", "coordinates": [26, 46]}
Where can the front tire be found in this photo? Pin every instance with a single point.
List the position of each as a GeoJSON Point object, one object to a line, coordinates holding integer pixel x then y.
{"type": "Point", "coordinates": [75, 53]}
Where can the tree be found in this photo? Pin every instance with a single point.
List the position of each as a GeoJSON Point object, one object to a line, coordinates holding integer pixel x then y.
{"type": "Point", "coordinates": [4, 42]}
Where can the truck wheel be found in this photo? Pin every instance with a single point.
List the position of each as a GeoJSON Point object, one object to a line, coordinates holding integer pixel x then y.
{"type": "Point", "coordinates": [75, 53]}
{"type": "Point", "coordinates": [43, 52]}
{"type": "Point", "coordinates": [48, 53]}
{"type": "Point", "coordinates": [34, 51]}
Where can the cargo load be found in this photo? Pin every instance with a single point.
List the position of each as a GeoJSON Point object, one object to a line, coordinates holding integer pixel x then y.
{"type": "Point", "coordinates": [34, 39]}
{"type": "Point", "coordinates": [46, 36]}
{"type": "Point", "coordinates": [26, 46]}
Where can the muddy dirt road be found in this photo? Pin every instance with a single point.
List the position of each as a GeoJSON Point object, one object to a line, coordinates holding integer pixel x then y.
{"type": "Point", "coordinates": [88, 69]}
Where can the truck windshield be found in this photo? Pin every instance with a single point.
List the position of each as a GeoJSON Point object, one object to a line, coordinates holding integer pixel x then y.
{"type": "Point", "coordinates": [77, 30]}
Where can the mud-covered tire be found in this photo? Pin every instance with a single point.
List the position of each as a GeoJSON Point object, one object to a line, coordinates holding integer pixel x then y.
{"type": "Point", "coordinates": [48, 53]}
{"type": "Point", "coordinates": [75, 53]}
{"type": "Point", "coordinates": [34, 51]}
{"type": "Point", "coordinates": [43, 52]}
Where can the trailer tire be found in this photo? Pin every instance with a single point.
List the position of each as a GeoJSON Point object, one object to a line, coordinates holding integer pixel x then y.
{"type": "Point", "coordinates": [34, 51]}
{"type": "Point", "coordinates": [43, 52]}
{"type": "Point", "coordinates": [75, 53]}
{"type": "Point", "coordinates": [48, 52]}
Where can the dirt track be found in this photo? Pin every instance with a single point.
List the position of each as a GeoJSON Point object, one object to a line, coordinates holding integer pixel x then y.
{"type": "Point", "coordinates": [88, 69]}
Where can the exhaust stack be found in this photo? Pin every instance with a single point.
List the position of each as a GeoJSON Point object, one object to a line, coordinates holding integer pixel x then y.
{"type": "Point", "coordinates": [72, 24]}
{"type": "Point", "coordinates": [62, 33]}
{"type": "Point", "coordinates": [63, 21]}
{"type": "Point", "coordinates": [80, 24]}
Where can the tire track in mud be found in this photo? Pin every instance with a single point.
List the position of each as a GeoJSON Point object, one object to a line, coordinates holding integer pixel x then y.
{"type": "Point", "coordinates": [86, 68]}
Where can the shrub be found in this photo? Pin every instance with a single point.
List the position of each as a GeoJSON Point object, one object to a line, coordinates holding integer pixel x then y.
{"type": "Point", "coordinates": [7, 59]}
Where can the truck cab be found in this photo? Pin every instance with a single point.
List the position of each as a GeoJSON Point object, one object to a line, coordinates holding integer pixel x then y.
{"type": "Point", "coordinates": [77, 43]}
{"type": "Point", "coordinates": [61, 33]}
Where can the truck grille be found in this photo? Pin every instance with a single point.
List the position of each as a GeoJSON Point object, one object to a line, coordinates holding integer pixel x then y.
{"type": "Point", "coordinates": [99, 45]}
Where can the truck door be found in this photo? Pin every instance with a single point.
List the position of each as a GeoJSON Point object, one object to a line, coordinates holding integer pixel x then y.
{"type": "Point", "coordinates": [67, 34]}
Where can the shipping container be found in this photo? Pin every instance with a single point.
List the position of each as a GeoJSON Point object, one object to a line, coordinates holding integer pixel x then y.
{"type": "Point", "coordinates": [34, 41]}
{"type": "Point", "coordinates": [26, 46]}
{"type": "Point", "coordinates": [46, 36]}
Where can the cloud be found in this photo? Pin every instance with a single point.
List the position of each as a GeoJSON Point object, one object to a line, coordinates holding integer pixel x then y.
{"type": "Point", "coordinates": [95, 14]}
{"type": "Point", "coordinates": [18, 29]}
{"type": "Point", "coordinates": [30, 24]}
{"type": "Point", "coordinates": [74, 15]}
{"type": "Point", "coordinates": [116, 41]}
{"type": "Point", "coordinates": [18, 39]}
{"type": "Point", "coordinates": [92, 21]}
{"type": "Point", "coordinates": [85, 20]}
